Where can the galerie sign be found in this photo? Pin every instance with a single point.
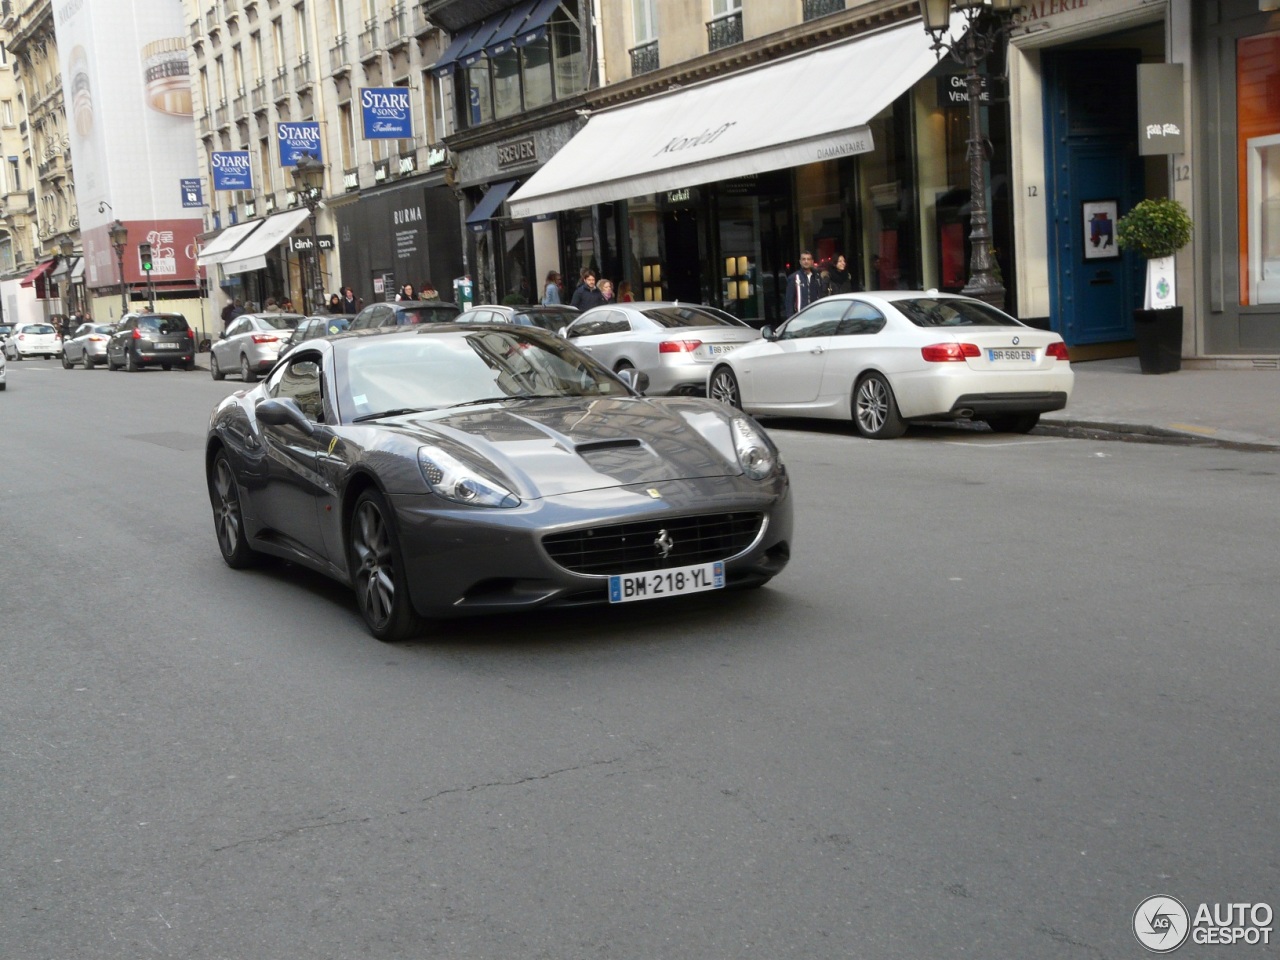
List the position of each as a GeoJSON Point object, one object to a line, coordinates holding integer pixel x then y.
{"type": "Point", "coordinates": [386, 113]}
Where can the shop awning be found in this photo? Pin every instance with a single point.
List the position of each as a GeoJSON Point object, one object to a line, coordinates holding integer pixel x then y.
{"type": "Point", "coordinates": [37, 273]}
{"type": "Point", "coordinates": [62, 269]}
{"type": "Point", "coordinates": [220, 247]}
{"type": "Point", "coordinates": [461, 40]}
{"type": "Point", "coordinates": [251, 254]}
{"type": "Point", "coordinates": [505, 37]}
{"type": "Point", "coordinates": [535, 27]}
{"type": "Point", "coordinates": [810, 107]}
{"type": "Point", "coordinates": [479, 217]}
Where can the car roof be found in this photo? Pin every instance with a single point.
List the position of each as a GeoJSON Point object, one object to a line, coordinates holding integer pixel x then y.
{"type": "Point", "coordinates": [446, 304]}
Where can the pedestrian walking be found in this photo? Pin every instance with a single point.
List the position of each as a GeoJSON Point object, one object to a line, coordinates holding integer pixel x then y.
{"type": "Point", "coordinates": [551, 291]}
{"type": "Point", "coordinates": [803, 287]}
{"type": "Point", "coordinates": [839, 279]}
{"type": "Point", "coordinates": [588, 294]}
{"type": "Point", "coordinates": [350, 303]}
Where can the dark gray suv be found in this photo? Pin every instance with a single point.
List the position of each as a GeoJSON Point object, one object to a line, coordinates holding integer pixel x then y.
{"type": "Point", "coordinates": [152, 340]}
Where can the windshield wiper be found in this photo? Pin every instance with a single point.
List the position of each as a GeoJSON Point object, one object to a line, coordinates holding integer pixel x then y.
{"type": "Point", "coordinates": [398, 412]}
{"type": "Point", "coordinates": [510, 396]}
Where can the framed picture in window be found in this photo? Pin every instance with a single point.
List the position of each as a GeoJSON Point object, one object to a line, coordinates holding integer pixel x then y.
{"type": "Point", "coordinates": [1099, 217]}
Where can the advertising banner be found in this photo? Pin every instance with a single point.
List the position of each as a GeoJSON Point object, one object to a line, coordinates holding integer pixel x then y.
{"type": "Point", "coordinates": [231, 170]}
{"type": "Point", "coordinates": [127, 92]}
{"type": "Point", "coordinates": [192, 192]}
{"type": "Point", "coordinates": [297, 138]}
{"type": "Point", "coordinates": [386, 113]}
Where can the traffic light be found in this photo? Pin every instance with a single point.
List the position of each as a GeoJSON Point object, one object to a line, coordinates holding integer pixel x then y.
{"type": "Point", "coordinates": [144, 257]}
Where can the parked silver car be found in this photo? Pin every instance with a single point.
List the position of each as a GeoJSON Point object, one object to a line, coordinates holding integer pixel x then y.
{"type": "Point", "coordinates": [674, 343]}
{"type": "Point", "coordinates": [251, 344]}
{"type": "Point", "coordinates": [87, 345]}
{"type": "Point", "coordinates": [554, 318]}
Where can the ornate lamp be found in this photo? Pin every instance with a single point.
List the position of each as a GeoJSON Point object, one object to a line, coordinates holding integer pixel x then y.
{"type": "Point", "coordinates": [119, 235]}
{"type": "Point", "coordinates": [308, 180]}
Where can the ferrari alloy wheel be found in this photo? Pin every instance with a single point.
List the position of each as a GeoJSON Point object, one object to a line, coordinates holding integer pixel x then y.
{"type": "Point", "coordinates": [724, 387]}
{"type": "Point", "coordinates": [1014, 422]}
{"type": "Point", "coordinates": [228, 518]}
{"type": "Point", "coordinates": [377, 571]}
{"type": "Point", "coordinates": [875, 411]}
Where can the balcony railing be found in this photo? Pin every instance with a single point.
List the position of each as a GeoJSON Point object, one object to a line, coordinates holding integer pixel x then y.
{"type": "Point", "coordinates": [408, 164]}
{"type": "Point", "coordinates": [196, 33]}
{"type": "Point", "coordinates": [369, 40]}
{"type": "Point", "coordinates": [280, 85]}
{"type": "Point", "coordinates": [724, 31]}
{"type": "Point", "coordinates": [644, 58]}
{"type": "Point", "coordinates": [211, 19]}
{"type": "Point", "coordinates": [240, 105]}
{"type": "Point", "coordinates": [269, 203]}
{"type": "Point", "coordinates": [813, 9]}
{"type": "Point", "coordinates": [302, 72]}
{"type": "Point", "coordinates": [339, 61]}
{"type": "Point", "coordinates": [222, 116]}
{"type": "Point", "coordinates": [351, 180]}
{"type": "Point", "coordinates": [230, 9]}
{"type": "Point", "coordinates": [381, 170]}
{"type": "Point", "coordinates": [397, 26]}
{"type": "Point", "coordinates": [203, 125]}
{"type": "Point", "coordinates": [421, 25]}
{"type": "Point", "coordinates": [258, 95]}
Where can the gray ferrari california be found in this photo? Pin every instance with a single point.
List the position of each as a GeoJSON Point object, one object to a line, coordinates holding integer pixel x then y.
{"type": "Point", "coordinates": [453, 469]}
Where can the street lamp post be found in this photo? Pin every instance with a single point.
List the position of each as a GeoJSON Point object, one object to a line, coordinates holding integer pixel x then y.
{"type": "Point", "coordinates": [67, 247]}
{"type": "Point", "coordinates": [988, 23]}
{"type": "Point", "coordinates": [119, 234]}
{"type": "Point", "coordinates": [308, 178]}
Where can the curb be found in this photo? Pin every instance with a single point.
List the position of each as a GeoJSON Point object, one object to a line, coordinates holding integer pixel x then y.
{"type": "Point", "coordinates": [1150, 433]}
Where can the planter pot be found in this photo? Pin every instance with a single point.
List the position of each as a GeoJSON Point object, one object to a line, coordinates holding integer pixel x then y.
{"type": "Point", "coordinates": [1159, 336]}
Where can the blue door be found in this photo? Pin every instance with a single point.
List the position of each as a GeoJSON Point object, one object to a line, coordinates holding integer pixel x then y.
{"type": "Point", "coordinates": [1093, 173]}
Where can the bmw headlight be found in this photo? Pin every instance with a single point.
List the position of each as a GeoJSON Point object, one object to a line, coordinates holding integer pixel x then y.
{"type": "Point", "coordinates": [452, 479]}
{"type": "Point", "coordinates": [755, 454]}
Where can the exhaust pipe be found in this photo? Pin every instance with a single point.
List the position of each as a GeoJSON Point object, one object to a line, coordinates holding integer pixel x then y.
{"type": "Point", "coordinates": [964, 414]}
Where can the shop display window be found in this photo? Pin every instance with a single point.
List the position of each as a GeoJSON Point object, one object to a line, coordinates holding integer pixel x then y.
{"type": "Point", "coordinates": [1258, 129]}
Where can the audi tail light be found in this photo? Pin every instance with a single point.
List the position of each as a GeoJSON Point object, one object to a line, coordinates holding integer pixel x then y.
{"type": "Point", "coordinates": [679, 346]}
{"type": "Point", "coordinates": [950, 352]}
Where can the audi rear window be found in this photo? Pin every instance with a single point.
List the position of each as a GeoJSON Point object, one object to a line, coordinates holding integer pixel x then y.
{"type": "Point", "coordinates": [685, 317]}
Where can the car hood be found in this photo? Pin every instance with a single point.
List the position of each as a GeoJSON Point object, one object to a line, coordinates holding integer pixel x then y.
{"type": "Point", "coordinates": [557, 446]}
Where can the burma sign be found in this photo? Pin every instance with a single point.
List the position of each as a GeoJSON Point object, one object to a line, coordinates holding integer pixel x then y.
{"type": "Point", "coordinates": [231, 170]}
{"type": "Point", "coordinates": [386, 113]}
{"type": "Point", "coordinates": [297, 139]}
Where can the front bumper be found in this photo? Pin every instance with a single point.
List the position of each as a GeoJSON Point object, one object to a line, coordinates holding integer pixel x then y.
{"type": "Point", "coordinates": [467, 561]}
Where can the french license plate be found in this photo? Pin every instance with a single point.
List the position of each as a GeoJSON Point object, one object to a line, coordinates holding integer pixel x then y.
{"type": "Point", "coordinates": [626, 587]}
{"type": "Point", "coordinates": [168, 346]}
{"type": "Point", "coordinates": [718, 349]}
{"type": "Point", "coordinates": [1010, 353]}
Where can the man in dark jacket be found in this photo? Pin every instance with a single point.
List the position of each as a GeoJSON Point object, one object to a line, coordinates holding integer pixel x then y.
{"type": "Point", "coordinates": [587, 295]}
{"type": "Point", "coordinates": [803, 287]}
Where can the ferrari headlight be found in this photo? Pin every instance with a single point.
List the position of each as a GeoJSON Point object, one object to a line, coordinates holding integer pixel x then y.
{"type": "Point", "coordinates": [452, 479]}
{"type": "Point", "coordinates": [755, 454]}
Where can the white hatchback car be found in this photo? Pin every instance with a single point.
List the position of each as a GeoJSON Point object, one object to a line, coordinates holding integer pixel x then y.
{"type": "Point", "coordinates": [33, 340]}
{"type": "Point", "coordinates": [3, 381]}
{"type": "Point", "coordinates": [887, 357]}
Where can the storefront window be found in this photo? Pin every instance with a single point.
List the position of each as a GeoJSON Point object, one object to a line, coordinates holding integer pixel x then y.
{"type": "Point", "coordinates": [741, 291]}
{"type": "Point", "coordinates": [479, 96]}
{"type": "Point", "coordinates": [1258, 124]}
{"type": "Point", "coordinates": [881, 200]}
{"type": "Point", "coordinates": [566, 46]}
{"type": "Point", "coordinates": [517, 284]}
{"type": "Point", "coordinates": [819, 208]}
{"type": "Point", "coordinates": [537, 73]}
{"type": "Point", "coordinates": [506, 84]}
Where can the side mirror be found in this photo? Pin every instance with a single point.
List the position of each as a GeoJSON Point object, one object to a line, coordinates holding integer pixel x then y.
{"type": "Point", "coordinates": [283, 413]}
{"type": "Point", "coordinates": [766, 332]}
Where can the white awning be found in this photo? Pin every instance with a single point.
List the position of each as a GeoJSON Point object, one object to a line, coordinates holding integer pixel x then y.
{"type": "Point", "coordinates": [252, 253]}
{"type": "Point", "coordinates": [220, 247]}
{"type": "Point", "coordinates": [809, 107]}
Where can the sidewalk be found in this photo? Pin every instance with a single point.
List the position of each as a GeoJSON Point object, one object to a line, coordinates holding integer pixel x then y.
{"type": "Point", "coordinates": [1237, 406]}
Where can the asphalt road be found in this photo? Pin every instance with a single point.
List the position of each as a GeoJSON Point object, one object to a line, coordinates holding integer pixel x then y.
{"type": "Point", "coordinates": [1007, 689]}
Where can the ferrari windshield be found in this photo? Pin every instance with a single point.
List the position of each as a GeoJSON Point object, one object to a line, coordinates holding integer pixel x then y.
{"type": "Point", "coordinates": [440, 369]}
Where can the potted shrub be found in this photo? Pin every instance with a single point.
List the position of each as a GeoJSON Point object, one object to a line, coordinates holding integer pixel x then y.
{"type": "Point", "coordinates": [1156, 230]}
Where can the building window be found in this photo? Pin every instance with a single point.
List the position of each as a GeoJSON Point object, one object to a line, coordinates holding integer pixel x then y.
{"type": "Point", "coordinates": [1258, 158]}
{"type": "Point", "coordinates": [725, 27]}
{"type": "Point", "coordinates": [346, 133]}
{"type": "Point", "coordinates": [266, 183]}
{"type": "Point", "coordinates": [644, 21]}
{"type": "Point", "coordinates": [300, 24]}
{"type": "Point", "coordinates": [6, 112]}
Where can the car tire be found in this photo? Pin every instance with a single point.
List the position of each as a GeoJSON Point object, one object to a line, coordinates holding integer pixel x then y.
{"type": "Point", "coordinates": [66, 361]}
{"type": "Point", "coordinates": [215, 371]}
{"type": "Point", "coordinates": [377, 571]}
{"type": "Point", "coordinates": [875, 410]}
{"type": "Point", "coordinates": [189, 366]}
{"type": "Point", "coordinates": [166, 366]}
{"type": "Point", "coordinates": [111, 364]}
{"type": "Point", "coordinates": [1014, 422]}
{"type": "Point", "coordinates": [131, 364]}
{"type": "Point", "coordinates": [87, 361]}
{"type": "Point", "coordinates": [228, 515]}
{"type": "Point", "coordinates": [724, 387]}
{"type": "Point", "coordinates": [247, 375]}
